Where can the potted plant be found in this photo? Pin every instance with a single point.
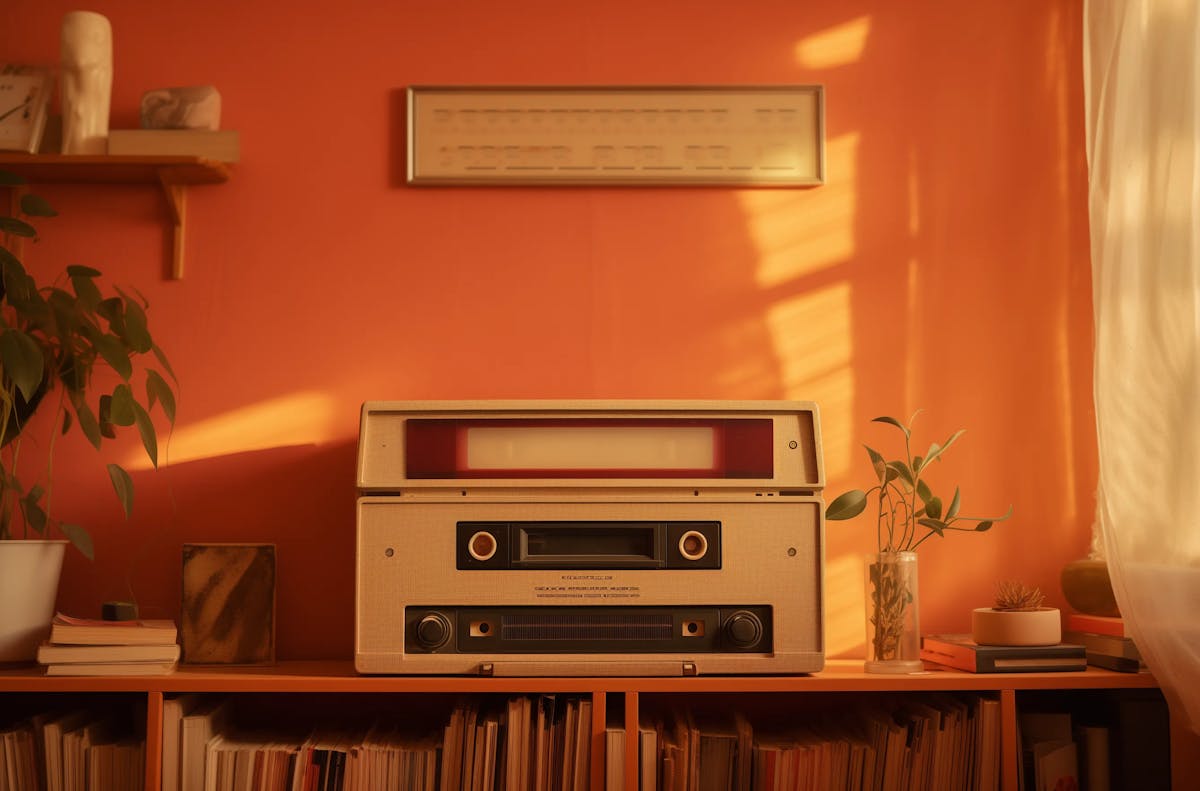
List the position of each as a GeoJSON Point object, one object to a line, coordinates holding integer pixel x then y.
{"type": "Point", "coordinates": [1017, 618]}
{"type": "Point", "coordinates": [908, 513]}
{"type": "Point", "coordinates": [53, 338]}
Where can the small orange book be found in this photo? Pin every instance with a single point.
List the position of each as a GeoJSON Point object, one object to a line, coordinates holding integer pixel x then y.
{"type": "Point", "coordinates": [65, 630]}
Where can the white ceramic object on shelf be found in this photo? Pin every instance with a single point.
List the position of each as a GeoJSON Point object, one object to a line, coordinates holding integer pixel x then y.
{"type": "Point", "coordinates": [1042, 626]}
{"type": "Point", "coordinates": [86, 82]}
{"type": "Point", "coordinates": [29, 572]}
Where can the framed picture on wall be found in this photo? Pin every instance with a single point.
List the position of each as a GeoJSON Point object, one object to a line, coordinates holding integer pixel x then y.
{"type": "Point", "coordinates": [765, 135]}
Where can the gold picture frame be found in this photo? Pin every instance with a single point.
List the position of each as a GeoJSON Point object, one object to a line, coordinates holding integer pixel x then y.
{"type": "Point", "coordinates": [762, 136]}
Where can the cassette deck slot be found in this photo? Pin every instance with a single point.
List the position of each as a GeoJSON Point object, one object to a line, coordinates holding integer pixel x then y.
{"type": "Point", "coordinates": [588, 544]}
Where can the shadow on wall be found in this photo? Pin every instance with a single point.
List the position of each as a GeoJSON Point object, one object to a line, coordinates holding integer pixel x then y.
{"type": "Point", "coordinates": [299, 498]}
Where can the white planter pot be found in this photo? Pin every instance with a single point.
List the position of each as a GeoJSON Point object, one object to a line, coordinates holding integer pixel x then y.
{"type": "Point", "coordinates": [1042, 626]}
{"type": "Point", "coordinates": [29, 571]}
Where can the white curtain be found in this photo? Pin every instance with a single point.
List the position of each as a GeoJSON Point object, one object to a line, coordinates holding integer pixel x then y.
{"type": "Point", "coordinates": [1141, 66]}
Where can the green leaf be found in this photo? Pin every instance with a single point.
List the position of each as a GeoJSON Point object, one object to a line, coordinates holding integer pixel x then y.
{"type": "Point", "coordinates": [66, 421]}
{"type": "Point", "coordinates": [162, 358]}
{"type": "Point", "coordinates": [878, 463]}
{"type": "Point", "coordinates": [88, 424]}
{"type": "Point", "coordinates": [952, 511]}
{"type": "Point", "coordinates": [934, 508]}
{"type": "Point", "coordinates": [80, 538]}
{"type": "Point", "coordinates": [104, 415]}
{"type": "Point", "coordinates": [136, 332]}
{"type": "Point", "coordinates": [924, 492]}
{"type": "Point", "coordinates": [122, 406]}
{"type": "Point", "coordinates": [145, 427]}
{"type": "Point", "coordinates": [894, 422]}
{"type": "Point", "coordinates": [115, 354]}
{"type": "Point", "coordinates": [8, 179]}
{"type": "Point", "coordinates": [936, 450]}
{"type": "Point", "coordinates": [23, 361]}
{"type": "Point", "coordinates": [35, 515]}
{"type": "Point", "coordinates": [936, 525]}
{"type": "Point", "coordinates": [847, 506]}
{"type": "Point", "coordinates": [7, 261]}
{"type": "Point", "coordinates": [17, 227]}
{"type": "Point", "coordinates": [123, 486]}
{"type": "Point", "coordinates": [37, 206]}
{"type": "Point", "coordinates": [79, 270]}
{"type": "Point", "coordinates": [158, 391]}
{"type": "Point", "coordinates": [85, 288]}
{"type": "Point", "coordinates": [984, 526]}
{"type": "Point", "coordinates": [902, 470]}
{"type": "Point", "coordinates": [110, 309]}
{"type": "Point", "coordinates": [917, 466]}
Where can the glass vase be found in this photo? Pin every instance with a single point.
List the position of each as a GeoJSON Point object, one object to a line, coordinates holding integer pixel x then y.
{"type": "Point", "coordinates": [893, 627]}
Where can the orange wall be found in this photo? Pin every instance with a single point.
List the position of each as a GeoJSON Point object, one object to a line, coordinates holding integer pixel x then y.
{"type": "Point", "coordinates": [943, 266]}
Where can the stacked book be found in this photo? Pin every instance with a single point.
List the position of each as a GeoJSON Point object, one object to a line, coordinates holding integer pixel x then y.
{"type": "Point", "coordinates": [85, 647]}
{"type": "Point", "coordinates": [1105, 640]}
{"type": "Point", "coordinates": [960, 652]}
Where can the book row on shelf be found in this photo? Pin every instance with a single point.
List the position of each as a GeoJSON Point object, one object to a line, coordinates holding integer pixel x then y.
{"type": "Point", "coordinates": [532, 742]}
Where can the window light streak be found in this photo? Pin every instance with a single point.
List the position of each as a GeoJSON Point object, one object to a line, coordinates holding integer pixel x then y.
{"type": "Point", "coordinates": [916, 356]}
{"type": "Point", "coordinates": [845, 606]}
{"type": "Point", "coordinates": [297, 419]}
{"type": "Point", "coordinates": [1062, 394]}
{"type": "Point", "coordinates": [837, 46]}
{"type": "Point", "coordinates": [797, 233]}
{"type": "Point", "coordinates": [811, 334]}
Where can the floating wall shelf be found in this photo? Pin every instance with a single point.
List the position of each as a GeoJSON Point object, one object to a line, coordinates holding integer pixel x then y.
{"type": "Point", "coordinates": [174, 174]}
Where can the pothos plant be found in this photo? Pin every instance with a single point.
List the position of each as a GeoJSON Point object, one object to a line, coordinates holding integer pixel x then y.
{"type": "Point", "coordinates": [53, 339]}
{"type": "Point", "coordinates": [908, 513]}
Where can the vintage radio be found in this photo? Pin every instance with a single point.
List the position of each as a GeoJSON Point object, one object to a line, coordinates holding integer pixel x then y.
{"type": "Point", "coordinates": [589, 538]}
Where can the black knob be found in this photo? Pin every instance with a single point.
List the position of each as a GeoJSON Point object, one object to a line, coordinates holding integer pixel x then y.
{"type": "Point", "coordinates": [743, 629]}
{"type": "Point", "coordinates": [433, 631]}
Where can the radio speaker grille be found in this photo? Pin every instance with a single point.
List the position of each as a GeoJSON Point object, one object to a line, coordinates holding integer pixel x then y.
{"type": "Point", "coordinates": [584, 626]}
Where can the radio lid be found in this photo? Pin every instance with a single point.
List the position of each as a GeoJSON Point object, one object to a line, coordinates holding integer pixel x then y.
{"type": "Point", "coordinates": [582, 444]}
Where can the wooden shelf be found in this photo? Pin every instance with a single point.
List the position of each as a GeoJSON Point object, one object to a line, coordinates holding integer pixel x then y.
{"type": "Point", "coordinates": [338, 677]}
{"type": "Point", "coordinates": [173, 174]}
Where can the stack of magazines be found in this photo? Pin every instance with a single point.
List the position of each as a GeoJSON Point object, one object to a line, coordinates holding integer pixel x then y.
{"type": "Point", "coordinates": [85, 647]}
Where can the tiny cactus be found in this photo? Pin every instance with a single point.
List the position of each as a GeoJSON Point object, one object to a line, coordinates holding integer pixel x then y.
{"type": "Point", "coordinates": [1013, 595]}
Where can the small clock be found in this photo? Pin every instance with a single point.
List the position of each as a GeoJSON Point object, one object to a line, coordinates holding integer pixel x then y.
{"type": "Point", "coordinates": [24, 94]}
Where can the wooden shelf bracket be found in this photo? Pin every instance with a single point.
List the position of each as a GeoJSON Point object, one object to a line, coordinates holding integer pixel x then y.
{"type": "Point", "coordinates": [176, 195]}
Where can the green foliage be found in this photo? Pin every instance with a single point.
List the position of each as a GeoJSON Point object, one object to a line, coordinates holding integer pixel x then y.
{"type": "Point", "coordinates": [52, 340]}
{"type": "Point", "coordinates": [909, 511]}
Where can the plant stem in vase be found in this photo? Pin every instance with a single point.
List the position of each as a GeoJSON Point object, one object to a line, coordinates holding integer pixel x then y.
{"type": "Point", "coordinates": [893, 631]}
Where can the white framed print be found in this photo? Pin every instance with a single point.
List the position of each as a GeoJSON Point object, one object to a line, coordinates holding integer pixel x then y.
{"type": "Point", "coordinates": [766, 135]}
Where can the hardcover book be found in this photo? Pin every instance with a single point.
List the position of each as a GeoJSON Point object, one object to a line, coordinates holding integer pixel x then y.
{"type": "Point", "coordinates": [959, 651]}
{"type": "Point", "coordinates": [84, 631]}
{"type": "Point", "coordinates": [50, 654]}
{"type": "Point", "coordinates": [112, 669]}
{"type": "Point", "coordinates": [1120, 664]}
{"type": "Point", "coordinates": [1096, 624]}
{"type": "Point", "coordinates": [1104, 644]}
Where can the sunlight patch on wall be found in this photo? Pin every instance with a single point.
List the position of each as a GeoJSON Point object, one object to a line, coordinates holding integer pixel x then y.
{"type": "Point", "coordinates": [836, 46]}
{"type": "Point", "coordinates": [845, 606]}
{"type": "Point", "coordinates": [797, 232]}
{"type": "Point", "coordinates": [811, 334]}
{"type": "Point", "coordinates": [297, 419]}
